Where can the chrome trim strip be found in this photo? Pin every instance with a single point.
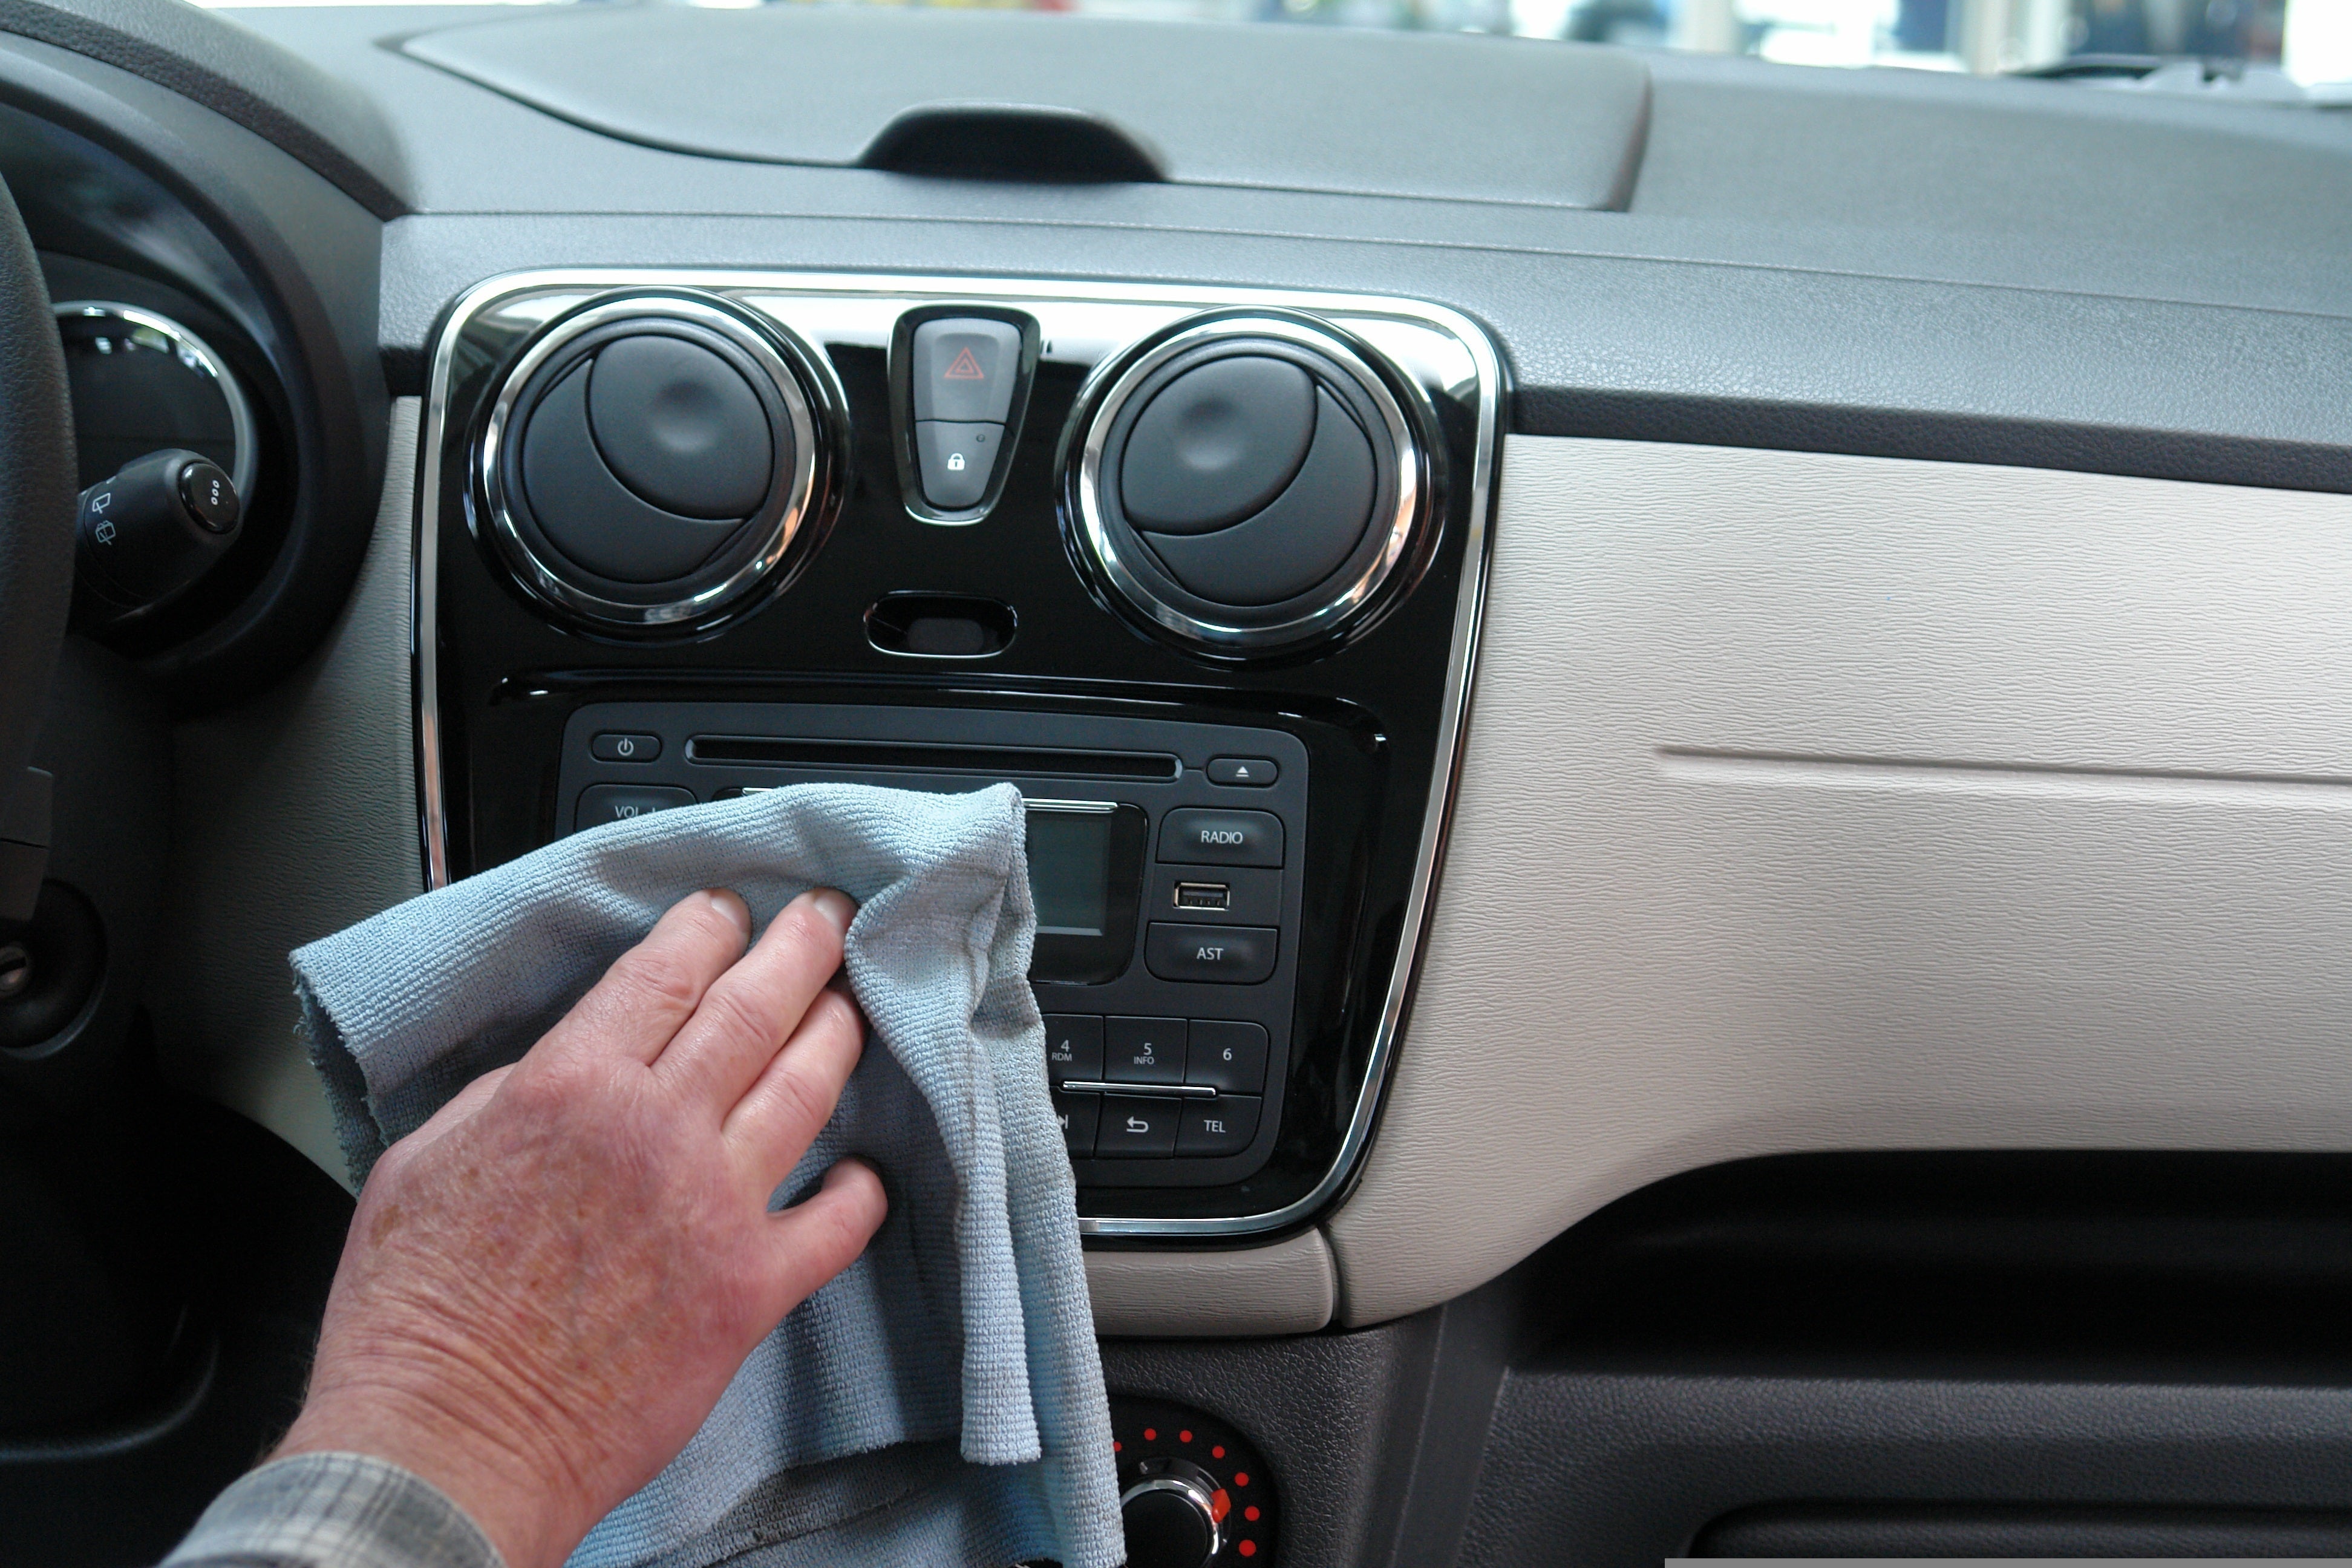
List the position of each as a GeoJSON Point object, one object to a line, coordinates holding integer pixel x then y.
{"type": "Point", "coordinates": [1484, 368]}
{"type": "Point", "coordinates": [1139, 1090]}
{"type": "Point", "coordinates": [200, 355]}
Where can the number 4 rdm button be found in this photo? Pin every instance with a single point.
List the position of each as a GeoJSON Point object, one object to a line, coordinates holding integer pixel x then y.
{"type": "Point", "coordinates": [1226, 955]}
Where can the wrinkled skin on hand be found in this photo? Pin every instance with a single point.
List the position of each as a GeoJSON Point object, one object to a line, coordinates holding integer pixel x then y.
{"type": "Point", "coordinates": [547, 1287]}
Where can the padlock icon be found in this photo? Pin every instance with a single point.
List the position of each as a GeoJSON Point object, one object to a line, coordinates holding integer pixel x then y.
{"type": "Point", "coordinates": [955, 462]}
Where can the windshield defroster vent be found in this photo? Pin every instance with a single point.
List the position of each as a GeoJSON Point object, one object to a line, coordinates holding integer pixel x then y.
{"type": "Point", "coordinates": [1011, 142]}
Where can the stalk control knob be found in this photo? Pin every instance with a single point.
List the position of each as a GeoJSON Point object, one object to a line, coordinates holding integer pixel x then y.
{"type": "Point", "coordinates": [144, 536]}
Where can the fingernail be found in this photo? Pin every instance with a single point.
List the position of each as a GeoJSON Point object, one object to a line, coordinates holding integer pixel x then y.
{"type": "Point", "coordinates": [837, 906]}
{"type": "Point", "coordinates": [730, 903]}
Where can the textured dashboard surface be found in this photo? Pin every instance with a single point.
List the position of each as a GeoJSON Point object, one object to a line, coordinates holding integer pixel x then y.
{"type": "Point", "coordinates": [1824, 802]}
{"type": "Point", "coordinates": [293, 816]}
{"type": "Point", "coordinates": [1192, 95]}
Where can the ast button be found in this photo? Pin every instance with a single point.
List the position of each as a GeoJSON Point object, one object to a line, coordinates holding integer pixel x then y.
{"type": "Point", "coordinates": [1228, 955]}
{"type": "Point", "coordinates": [1251, 772]}
{"type": "Point", "coordinates": [1073, 1048]}
{"type": "Point", "coordinates": [1196, 837]}
{"type": "Point", "coordinates": [1221, 1126]}
{"type": "Point", "coordinates": [1144, 1050]}
{"type": "Point", "coordinates": [1079, 1112]}
{"type": "Point", "coordinates": [964, 370]}
{"type": "Point", "coordinates": [612, 748]}
{"type": "Point", "coordinates": [1226, 1057]}
{"type": "Point", "coordinates": [601, 803]}
{"type": "Point", "coordinates": [1135, 1127]}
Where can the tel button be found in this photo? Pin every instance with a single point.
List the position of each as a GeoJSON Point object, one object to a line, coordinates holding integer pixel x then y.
{"type": "Point", "coordinates": [1135, 1128]}
{"type": "Point", "coordinates": [601, 803]}
{"type": "Point", "coordinates": [1252, 773]}
{"type": "Point", "coordinates": [1199, 836]}
{"type": "Point", "coordinates": [619, 748]}
{"type": "Point", "coordinates": [1220, 955]}
{"type": "Point", "coordinates": [1221, 1126]}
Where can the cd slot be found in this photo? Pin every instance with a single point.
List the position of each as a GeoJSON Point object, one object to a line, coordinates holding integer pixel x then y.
{"type": "Point", "coordinates": [1003, 762]}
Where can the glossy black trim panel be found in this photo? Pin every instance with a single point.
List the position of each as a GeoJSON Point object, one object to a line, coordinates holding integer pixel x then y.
{"type": "Point", "coordinates": [1381, 717]}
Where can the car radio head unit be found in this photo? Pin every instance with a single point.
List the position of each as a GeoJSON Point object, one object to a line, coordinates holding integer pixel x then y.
{"type": "Point", "coordinates": [1197, 569]}
{"type": "Point", "coordinates": [1169, 903]}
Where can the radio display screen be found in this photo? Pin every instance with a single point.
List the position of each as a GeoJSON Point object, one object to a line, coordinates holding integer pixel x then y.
{"type": "Point", "coordinates": [1070, 871]}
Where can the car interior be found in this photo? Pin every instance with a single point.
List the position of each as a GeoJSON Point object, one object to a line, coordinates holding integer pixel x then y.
{"type": "Point", "coordinates": [1679, 671]}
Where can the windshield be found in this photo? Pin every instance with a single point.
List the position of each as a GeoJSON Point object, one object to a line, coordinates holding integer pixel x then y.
{"type": "Point", "coordinates": [2259, 48]}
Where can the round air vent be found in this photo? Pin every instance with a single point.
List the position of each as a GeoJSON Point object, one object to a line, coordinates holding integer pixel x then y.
{"type": "Point", "coordinates": [652, 461]}
{"type": "Point", "coordinates": [1247, 483]}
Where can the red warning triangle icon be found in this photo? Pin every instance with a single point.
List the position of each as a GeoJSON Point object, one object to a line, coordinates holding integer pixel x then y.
{"type": "Point", "coordinates": [965, 368]}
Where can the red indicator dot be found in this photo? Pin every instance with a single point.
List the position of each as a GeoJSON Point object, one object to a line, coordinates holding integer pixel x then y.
{"type": "Point", "coordinates": [1218, 1452]}
{"type": "Point", "coordinates": [1150, 1436]}
{"type": "Point", "coordinates": [1117, 1447]}
{"type": "Point", "coordinates": [1241, 1477]}
{"type": "Point", "coordinates": [1183, 1437]}
{"type": "Point", "coordinates": [1250, 1513]}
{"type": "Point", "coordinates": [1248, 1549]}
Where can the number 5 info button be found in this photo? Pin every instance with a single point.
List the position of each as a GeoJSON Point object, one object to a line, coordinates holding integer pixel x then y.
{"type": "Point", "coordinates": [1220, 955]}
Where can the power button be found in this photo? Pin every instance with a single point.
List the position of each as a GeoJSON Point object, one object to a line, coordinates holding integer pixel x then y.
{"type": "Point", "coordinates": [612, 747]}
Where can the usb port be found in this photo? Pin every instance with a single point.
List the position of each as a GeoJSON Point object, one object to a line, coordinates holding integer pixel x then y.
{"type": "Point", "coordinates": [1204, 896]}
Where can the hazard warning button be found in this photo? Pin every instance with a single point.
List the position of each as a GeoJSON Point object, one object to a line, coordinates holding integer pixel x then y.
{"type": "Point", "coordinates": [965, 369]}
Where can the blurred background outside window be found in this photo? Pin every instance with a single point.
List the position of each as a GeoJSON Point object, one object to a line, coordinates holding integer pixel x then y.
{"type": "Point", "coordinates": [2262, 48]}
{"type": "Point", "coordinates": [2309, 41]}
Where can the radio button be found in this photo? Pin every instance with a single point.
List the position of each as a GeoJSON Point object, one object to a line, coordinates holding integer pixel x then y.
{"type": "Point", "coordinates": [1230, 1057]}
{"type": "Point", "coordinates": [1196, 836]}
{"type": "Point", "coordinates": [1144, 1051]}
{"type": "Point", "coordinates": [1073, 1046]}
{"type": "Point", "coordinates": [1080, 1113]}
{"type": "Point", "coordinates": [1219, 955]}
{"type": "Point", "coordinates": [1133, 1129]}
{"type": "Point", "coordinates": [1221, 1126]}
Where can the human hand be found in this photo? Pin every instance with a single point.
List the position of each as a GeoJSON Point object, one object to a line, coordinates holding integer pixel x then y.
{"type": "Point", "coordinates": [547, 1286]}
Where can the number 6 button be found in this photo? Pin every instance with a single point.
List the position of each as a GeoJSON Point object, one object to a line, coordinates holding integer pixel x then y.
{"type": "Point", "coordinates": [1228, 1058]}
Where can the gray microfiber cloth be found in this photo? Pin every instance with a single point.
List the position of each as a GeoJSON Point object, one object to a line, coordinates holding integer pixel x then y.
{"type": "Point", "coordinates": [942, 1401]}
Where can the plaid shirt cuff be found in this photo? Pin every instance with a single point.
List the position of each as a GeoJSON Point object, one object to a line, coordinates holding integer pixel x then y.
{"type": "Point", "coordinates": [334, 1511]}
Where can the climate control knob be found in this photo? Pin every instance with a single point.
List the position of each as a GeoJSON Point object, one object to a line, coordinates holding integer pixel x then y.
{"type": "Point", "coordinates": [1175, 1516]}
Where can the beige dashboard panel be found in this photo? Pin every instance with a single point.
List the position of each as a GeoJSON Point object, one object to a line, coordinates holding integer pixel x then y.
{"type": "Point", "coordinates": [294, 814]}
{"type": "Point", "coordinates": [1817, 802]}
{"type": "Point", "coordinates": [1285, 1289]}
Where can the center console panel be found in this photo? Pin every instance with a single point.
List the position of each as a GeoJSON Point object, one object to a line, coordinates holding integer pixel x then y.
{"type": "Point", "coordinates": [1198, 571]}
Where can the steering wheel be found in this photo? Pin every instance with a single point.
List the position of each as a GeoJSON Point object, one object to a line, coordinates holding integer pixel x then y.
{"type": "Point", "coordinates": [37, 496]}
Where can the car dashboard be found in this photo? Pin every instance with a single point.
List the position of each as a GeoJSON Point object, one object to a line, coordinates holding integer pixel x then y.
{"type": "Point", "coordinates": [1681, 718]}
